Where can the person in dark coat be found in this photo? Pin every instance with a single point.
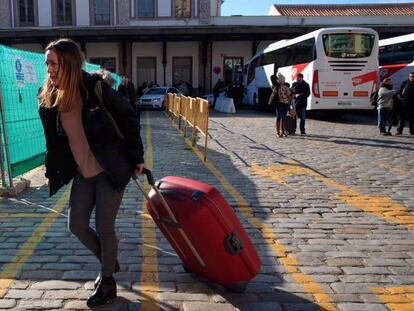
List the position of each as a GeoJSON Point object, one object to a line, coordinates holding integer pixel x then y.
{"type": "Point", "coordinates": [301, 92]}
{"type": "Point", "coordinates": [83, 145]}
{"type": "Point", "coordinates": [127, 89]}
{"type": "Point", "coordinates": [406, 97]}
{"type": "Point", "coordinates": [218, 88]}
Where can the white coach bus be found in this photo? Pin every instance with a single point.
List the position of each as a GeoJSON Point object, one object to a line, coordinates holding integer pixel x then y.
{"type": "Point", "coordinates": [340, 65]}
{"type": "Point", "coordinates": [396, 58]}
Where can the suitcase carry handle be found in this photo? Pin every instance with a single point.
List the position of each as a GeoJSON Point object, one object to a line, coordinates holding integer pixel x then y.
{"type": "Point", "coordinates": [173, 222]}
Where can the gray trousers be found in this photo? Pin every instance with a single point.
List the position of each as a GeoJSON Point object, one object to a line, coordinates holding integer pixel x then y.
{"type": "Point", "coordinates": [87, 194]}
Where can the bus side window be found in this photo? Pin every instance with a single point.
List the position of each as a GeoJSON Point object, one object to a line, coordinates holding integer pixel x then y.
{"type": "Point", "coordinates": [385, 55]}
{"type": "Point", "coordinates": [403, 53]}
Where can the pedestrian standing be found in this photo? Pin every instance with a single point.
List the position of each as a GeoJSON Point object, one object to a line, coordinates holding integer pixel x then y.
{"type": "Point", "coordinates": [127, 89]}
{"type": "Point", "coordinates": [385, 103]}
{"type": "Point", "coordinates": [302, 91]}
{"type": "Point", "coordinates": [218, 88]}
{"type": "Point", "coordinates": [83, 145]}
{"type": "Point", "coordinates": [284, 94]}
{"type": "Point", "coordinates": [406, 96]}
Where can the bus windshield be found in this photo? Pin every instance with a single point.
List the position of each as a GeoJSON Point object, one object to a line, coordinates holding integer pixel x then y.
{"type": "Point", "coordinates": [348, 45]}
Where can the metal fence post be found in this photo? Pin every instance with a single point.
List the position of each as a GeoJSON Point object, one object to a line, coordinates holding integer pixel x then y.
{"type": "Point", "coordinates": [6, 142]}
{"type": "Point", "coordinates": [3, 176]}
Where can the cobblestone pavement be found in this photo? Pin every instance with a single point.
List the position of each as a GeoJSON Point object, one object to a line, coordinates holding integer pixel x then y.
{"type": "Point", "coordinates": [331, 214]}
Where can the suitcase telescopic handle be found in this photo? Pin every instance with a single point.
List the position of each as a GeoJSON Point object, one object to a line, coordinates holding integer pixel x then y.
{"type": "Point", "coordinates": [151, 181]}
{"type": "Point", "coordinates": [164, 203]}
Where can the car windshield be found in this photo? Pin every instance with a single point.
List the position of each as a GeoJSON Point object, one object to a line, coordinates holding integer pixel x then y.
{"type": "Point", "coordinates": [155, 92]}
{"type": "Point", "coordinates": [348, 45]}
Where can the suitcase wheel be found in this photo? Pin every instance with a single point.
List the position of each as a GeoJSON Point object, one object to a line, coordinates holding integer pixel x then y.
{"type": "Point", "coordinates": [238, 287]}
{"type": "Point", "coordinates": [186, 269]}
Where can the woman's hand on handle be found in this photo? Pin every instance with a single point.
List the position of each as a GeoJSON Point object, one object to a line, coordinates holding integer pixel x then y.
{"type": "Point", "coordinates": [139, 169]}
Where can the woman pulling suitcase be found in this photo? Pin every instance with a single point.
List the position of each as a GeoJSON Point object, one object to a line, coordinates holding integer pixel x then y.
{"type": "Point", "coordinates": [84, 143]}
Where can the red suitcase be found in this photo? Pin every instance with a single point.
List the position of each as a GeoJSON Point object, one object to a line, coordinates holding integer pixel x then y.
{"type": "Point", "coordinates": [204, 231]}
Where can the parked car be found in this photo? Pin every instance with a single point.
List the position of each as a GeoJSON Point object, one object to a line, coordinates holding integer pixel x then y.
{"type": "Point", "coordinates": [154, 98]}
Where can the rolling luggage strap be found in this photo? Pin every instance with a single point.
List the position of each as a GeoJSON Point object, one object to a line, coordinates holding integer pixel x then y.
{"type": "Point", "coordinates": [173, 222]}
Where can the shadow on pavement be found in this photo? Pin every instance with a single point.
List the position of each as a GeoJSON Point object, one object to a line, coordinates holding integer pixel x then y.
{"type": "Point", "coordinates": [377, 143]}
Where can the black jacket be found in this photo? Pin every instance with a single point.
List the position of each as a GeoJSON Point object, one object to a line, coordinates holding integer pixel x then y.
{"type": "Point", "coordinates": [303, 90]}
{"type": "Point", "coordinates": [116, 156]}
{"type": "Point", "coordinates": [406, 94]}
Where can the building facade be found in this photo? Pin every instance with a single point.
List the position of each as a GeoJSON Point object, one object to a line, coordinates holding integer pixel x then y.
{"type": "Point", "coordinates": [166, 41]}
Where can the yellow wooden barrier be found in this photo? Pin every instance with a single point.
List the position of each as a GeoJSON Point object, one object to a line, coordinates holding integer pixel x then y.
{"type": "Point", "coordinates": [201, 122]}
{"type": "Point", "coordinates": [193, 112]}
{"type": "Point", "coordinates": [170, 104]}
{"type": "Point", "coordinates": [177, 110]}
{"type": "Point", "coordinates": [184, 112]}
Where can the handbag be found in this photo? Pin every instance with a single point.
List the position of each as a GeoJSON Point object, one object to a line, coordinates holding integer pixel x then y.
{"type": "Point", "coordinates": [292, 112]}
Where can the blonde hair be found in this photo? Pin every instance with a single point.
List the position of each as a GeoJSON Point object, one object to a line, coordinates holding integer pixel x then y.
{"type": "Point", "coordinates": [281, 78]}
{"type": "Point", "coordinates": [70, 60]}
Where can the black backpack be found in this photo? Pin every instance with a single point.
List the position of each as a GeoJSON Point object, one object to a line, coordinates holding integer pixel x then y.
{"type": "Point", "coordinates": [374, 98]}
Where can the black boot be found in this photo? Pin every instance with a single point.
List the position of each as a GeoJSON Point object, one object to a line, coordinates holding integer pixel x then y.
{"type": "Point", "coordinates": [105, 291]}
{"type": "Point", "coordinates": [99, 277]}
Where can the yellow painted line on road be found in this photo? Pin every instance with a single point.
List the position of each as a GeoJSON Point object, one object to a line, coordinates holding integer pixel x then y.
{"type": "Point", "coordinates": [22, 215]}
{"type": "Point", "coordinates": [10, 271]}
{"type": "Point", "coordinates": [284, 255]}
{"type": "Point", "coordinates": [149, 286]}
{"type": "Point", "coordinates": [347, 153]}
{"type": "Point", "coordinates": [396, 298]}
{"type": "Point", "coordinates": [380, 206]}
{"type": "Point", "coordinates": [393, 169]}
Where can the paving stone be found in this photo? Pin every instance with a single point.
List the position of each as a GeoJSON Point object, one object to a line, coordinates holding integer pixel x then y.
{"type": "Point", "coordinates": [62, 266]}
{"type": "Point", "coordinates": [79, 275]}
{"type": "Point", "coordinates": [55, 284]}
{"type": "Point", "coordinates": [24, 294]}
{"type": "Point", "coordinates": [353, 288]}
{"type": "Point", "coordinates": [361, 278]}
{"type": "Point", "coordinates": [366, 270]}
{"type": "Point", "coordinates": [183, 297]}
{"type": "Point", "coordinates": [403, 279]}
{"type": "Point", "coordinates": [321, 270]}
{"type": "Point", "coordinates": [7, 303]}
{"type": "Point", "coordinates": [20, 284]}
{"type": "Point", "coordinates": [261, 306]}
{"type": "Point", "coordinates": [40, 304]}
{"type": "Point", "coordinates": [205, 306]}
{"type": "Point", "coordinates": [302, 307]}
{"type": "Point", "coordinates": [362, 307]}
{"type": "Point", "coordinates": [42, 275]}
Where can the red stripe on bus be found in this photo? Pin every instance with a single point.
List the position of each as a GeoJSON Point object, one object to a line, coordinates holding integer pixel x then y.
{"type": "Point", "coordinates": [297, 69]}
{"type": "Point", "coordinates": [389, 70]}
{"type": "Point", "coordinates": [365, 78]}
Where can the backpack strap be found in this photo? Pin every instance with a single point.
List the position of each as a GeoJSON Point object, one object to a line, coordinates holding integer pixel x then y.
{"type": "Point", "coordinates": [98, 93]}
